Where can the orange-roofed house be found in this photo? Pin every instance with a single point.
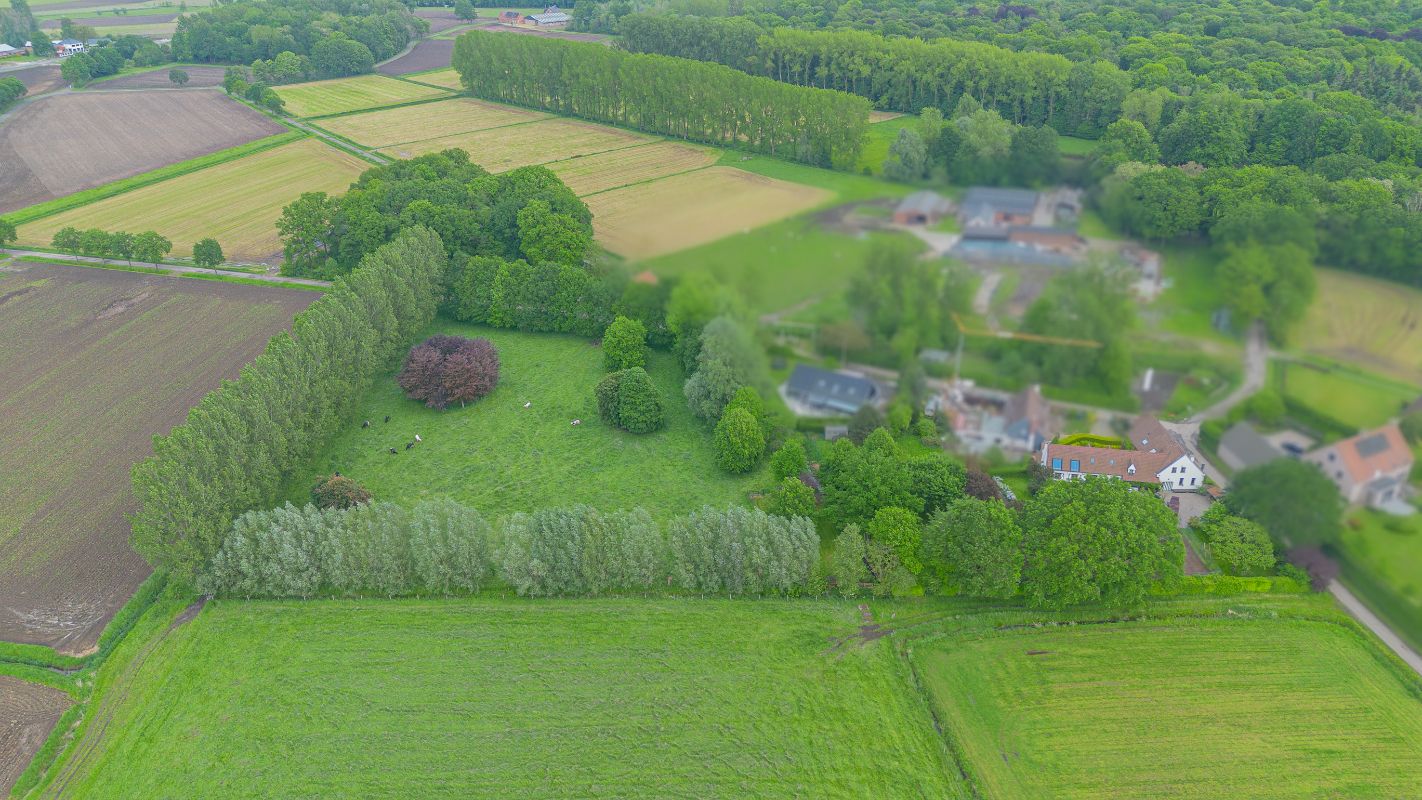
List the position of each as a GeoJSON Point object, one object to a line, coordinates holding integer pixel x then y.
{"type": "Point", "coordinates": [1370, 468]}
{"type": "Point", "coordinates": [1159, 458]}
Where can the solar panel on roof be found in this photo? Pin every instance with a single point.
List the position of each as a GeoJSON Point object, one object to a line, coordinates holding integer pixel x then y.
{"type": "Point", "coordinates": [1371, 446]}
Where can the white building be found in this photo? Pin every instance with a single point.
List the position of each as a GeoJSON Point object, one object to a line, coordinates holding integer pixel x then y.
{"type": "Point", "coordinates": [1158, 458]}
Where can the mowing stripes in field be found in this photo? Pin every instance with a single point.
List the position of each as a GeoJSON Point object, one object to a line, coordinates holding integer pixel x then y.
{"type": "Point", "coordinates": [599, 172]}
{"type": "Point", "coordinates": [502, 149]}
{"type": "Point", "coordinates": [236, 202]}
{"type": "Point", "coordinates": [683, 211]}
{"type": "Point", "coordinates": [1179, 709]}
{"type": "Point", "coordinates": [351, 94]}
{"type": "Point", "coordinates": [427, 121]}
{"type": "Point", "coordinates": [446, 78]}
{"type": "Point", "coordinates": [529, 699]}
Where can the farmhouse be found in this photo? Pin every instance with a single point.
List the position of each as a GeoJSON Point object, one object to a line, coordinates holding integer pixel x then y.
{"type": "Point", "coordinates": [1370, 468]}
{"type": "Point", "coordinates": [511, 17]}
{"type": "Point", "coordinates": [67, 47]}
{"type": "Point", "coordinates": [988, 207]}
{"type": "Point", "coordinates": [922, 208]}
{"type": "Point", "coordinates": [823, 390]}
{"type": "Point", "coordinates": [982, 420]}
{"type": "Point", "coordinates": [552, 17]}
{"type": "Point", "coordinates": [1159, 458]}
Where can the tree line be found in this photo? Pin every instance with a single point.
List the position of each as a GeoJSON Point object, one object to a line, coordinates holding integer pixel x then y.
{"type": "Point", "coordinates": [11, 90]}
{"type": "Point", "coordinates": [440, 547]}
{"type": "Point", "coordinates": [676, 97]}
{"type": "Point", "coordinates": [283, 406]}
{"type": "Point", "coordinates": [340, 37]}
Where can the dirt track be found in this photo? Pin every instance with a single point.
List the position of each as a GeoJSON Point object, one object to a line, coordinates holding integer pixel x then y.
{"type": "Point", "coordinates": [429, 54]}
{"type": "Point", "coordinates": [96, 363]}
{"type": "Point", "coordinates": [62, 144]}
{"type": "Point", "coordinates": [110, 20]}
{"type": "Point", "coordinates": [27, 713]}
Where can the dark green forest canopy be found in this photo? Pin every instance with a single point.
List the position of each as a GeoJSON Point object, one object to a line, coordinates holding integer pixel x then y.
{"type": "Point", "coordinates": [243, 32]}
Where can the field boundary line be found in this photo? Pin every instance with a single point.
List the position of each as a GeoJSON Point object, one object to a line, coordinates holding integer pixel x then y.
{"type": "Point", "coordinates": [950, 742]}
{"type": "Point", "coordinates": [172, 270]}
{"type": "Point", "coordinates": [473, 130]}
{"type": "Point", "coordinates": [124, 185]}
{"type": "Point", "coordinates": [646, 181]}
{"type": "Point", "coordinates": [404, 104]}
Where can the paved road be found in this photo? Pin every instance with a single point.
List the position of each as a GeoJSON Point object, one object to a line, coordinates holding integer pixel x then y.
{"type": "Point", "coordinates": [1256, 372]}
{"type": "Point", "coordinates": [1364, 615]}
{"type": "Point", "coordinates": [173, 268]}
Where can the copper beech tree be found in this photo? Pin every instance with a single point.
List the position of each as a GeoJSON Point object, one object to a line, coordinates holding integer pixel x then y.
{"type": "Point", "coordinates": [449, 369]}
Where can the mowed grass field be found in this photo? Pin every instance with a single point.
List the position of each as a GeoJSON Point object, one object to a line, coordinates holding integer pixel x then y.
{"type": "Point", "coordinates": [351, 94]}
{"type": "Point", "coordinates": [537, 142]}
{"type": "Point", "coordinates": [430, 120]}
{"type": "Point", "coordinates": [1356, 399]}
{"type": "Point", "coordinates": [95, 363]}
{"type": "Point", "coordinates": [600, 172]}
{"type": "Point", "coordinates": [237, 202]}
{"type": "Point", "coordinates": [1390, 548]}
{"type": "Point", "coordinates": [1178, 709]}
{"type": "Point", "coordinates": [627, 698]}
{"type": "Point", "coordinates": [681, 211]}
{"type": "Point", "coordinates": [447, 78]}
{"type": "Point", "coordinates": [1366, 321]}
{"type": "Point", "coordinates": [500, 457]}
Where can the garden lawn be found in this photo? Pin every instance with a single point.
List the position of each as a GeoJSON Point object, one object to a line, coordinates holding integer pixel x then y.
{"type": "Point", "coordinates": [1355, 399]}
{"type": "Point", "coordinates": [500, 457]}
{"type": "Point", "coordinates": [511, 698]}
{"type": "Point", "coordinates": [351, 94]}
{"type": "Point", "coordinates": [1261, 708]}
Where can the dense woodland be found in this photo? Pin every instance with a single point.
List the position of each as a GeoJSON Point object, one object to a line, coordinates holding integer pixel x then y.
{"type": "Point", "coordinates": [676, 97]}
{"type": "Point", "coordinates": [339, 36]}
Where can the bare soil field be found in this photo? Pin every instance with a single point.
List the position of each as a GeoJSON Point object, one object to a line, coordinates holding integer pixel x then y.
{"type": "Point", "coordinates": [198, 77]}
{"type": "Point", "coordinates": [429, 54]}
{"type": "Point", "coordinates": [236, 202]}
{"type": "Point", "coordinates": [440, 19]}
{"type": "Point", "coordinates": [37, 80]}
{"type": "Point", "coordinates": [434, 120]}
{"type": "Point", "coordinates": [44, 155]}
{"type": "Point", "coordinates": [682, 211]}
{"type": "Point", "coordinates": [535, 143]}
{"type": "Point", "coordinates": [27, 713]}
{"type": "Point", "coordinates": [603, 171]}
{"type": "Point", "coordinates": [96, 363]}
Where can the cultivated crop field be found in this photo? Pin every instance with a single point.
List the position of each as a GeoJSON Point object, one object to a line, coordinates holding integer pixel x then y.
{"type": "Point", "coordinates": [538, 142]}
{"type": "Point", "coordinates": [500, 457]}
{"type": "Point", "coordinates": [44, 154]}
{"type": "Point", "coordinates": [1367, 321]}
{"type": "Point", "coordinates": [428, 54]}
{"type": "Point", "coordinates": [95, 363]}
{"type": "Point", "coordinates": [198, 76]}
{"type": "Point", "coordinates": [352, 94]}
{"type": "Point", "coordinates": [433, 120]}
{"type": "Point", "coordinates": [1264, 708]}
{"type": "Point", "coordinates": [27, 713]}
{"type": "Point", "coordinates": [236, 202]}
{"type": "Point", "coordinates": [625, 698]}
{"type": "Point", "coordinates": [683, 211]}
{"type": "Point", "coordinates": [602, 171]}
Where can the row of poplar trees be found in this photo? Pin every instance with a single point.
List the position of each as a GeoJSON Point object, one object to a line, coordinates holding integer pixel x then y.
{"type": "Point", "coordinates": [241, 442]}
{"type": "Point", "coordinates": [676, 97]}
{"type": "Point", "coordinates": [903, 74]}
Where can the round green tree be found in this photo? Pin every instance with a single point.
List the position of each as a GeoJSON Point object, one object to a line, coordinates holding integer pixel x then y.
{"type": "Point", "coordinates": [624, 345]}
{"type": "Point", "coordinates": [739, 441]}
{"type": "Point", "coordinates": [790, 460]}
{"type": "Point", "coordinates": [207, 253]}
{"type": "Point", "coordinates": [639, 405]}
{"type": "Point", "coordinates": [898, 529]}
{"type": "Point", "coordinates": [792, 498]}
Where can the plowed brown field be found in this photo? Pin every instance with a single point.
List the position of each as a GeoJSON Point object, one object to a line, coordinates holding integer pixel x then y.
{"type": "Point", "coordinates": [95, 363]}
{"type": "Point", "coordinates": [27, 713]}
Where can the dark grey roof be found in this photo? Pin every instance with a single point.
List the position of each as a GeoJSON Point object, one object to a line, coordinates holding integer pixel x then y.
{"type": "Point", "coordinates": [834, 390]}
{"type": "Point", "coordinates": [992, 200]}
{"type": "Point", "coordinates": [924, 202]}
{"type": "Point", "coordinates": [1248, 447]}
{"type": "Point", "coordinates": [1371, 446]}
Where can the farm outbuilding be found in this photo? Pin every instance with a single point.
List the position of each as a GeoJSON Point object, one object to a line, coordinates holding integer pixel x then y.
{"type": "Point", "coordinates": [552, 17]}
{"type": "Point", "coordinates": [511, 17]}
{"type": "Point", "coordinates": [922, 208]}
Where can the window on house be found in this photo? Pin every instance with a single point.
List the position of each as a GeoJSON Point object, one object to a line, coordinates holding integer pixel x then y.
{"type": "Point", "coordinates": [1057, 464]}
{"type": "Point", "coordinates": [1192, 481]}
{"type": "Point", "coordinates": [1076, 465]}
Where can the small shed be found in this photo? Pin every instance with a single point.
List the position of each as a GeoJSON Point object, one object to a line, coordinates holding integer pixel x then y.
{"type": "Point", "coordinates": [922, 208]}
{"type": "Point", "coordinates": [511, 17]}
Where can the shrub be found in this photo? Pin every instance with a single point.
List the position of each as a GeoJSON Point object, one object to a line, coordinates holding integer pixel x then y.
{"type": "Point", "coordinates": [624, 344]}
{"type": "Point", "coordinates": [790, 460]}
{"type": "Point", "coordinates": [1241, 547]}
{"type": "Point", "coordinates": [739, 441]}
{"type": "Point", "coordinates": [639, 405]}
{"type": "Point", "coordinates": [446, 369]}
{"type": "Point", "coordinates": [1321, 569]}
{"type": "Point", "coordinates": [338, 491]}
{"type": "Point", "coordinates": [607, 391]}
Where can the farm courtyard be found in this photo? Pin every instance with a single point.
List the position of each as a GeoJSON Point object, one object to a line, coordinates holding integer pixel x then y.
{"type": "Point", "coordinates": [95, 363]}
{"type": "Point", "coordinates": [501, 457]}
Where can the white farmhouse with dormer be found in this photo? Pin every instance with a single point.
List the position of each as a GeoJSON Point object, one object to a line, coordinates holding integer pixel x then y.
{"type": "Point", "coordinates": [1159, 458]}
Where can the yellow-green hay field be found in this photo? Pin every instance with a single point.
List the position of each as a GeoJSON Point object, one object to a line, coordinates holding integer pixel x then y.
{"type": "Point", "coordinates": [395, 126]}
{"type": "Point", "coordinates": [447, 78]}
{"type": "Point", "coordinates": [237, 202]}
{"type": "Point", "coordinates": [503, 149]}
{"type": "Point", "coordinates": [600, 172]}
{"type": "Point", "coordinates": [1367, 322]}
{"type": "Point", "coordinates": [1261, 708]}
{"type": "Point", "coordinates": [683, 211]}
{"type": "Point", "coordinates": [351, 94]}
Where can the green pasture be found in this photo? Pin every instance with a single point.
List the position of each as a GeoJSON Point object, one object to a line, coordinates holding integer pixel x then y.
{"type": "Point", "coordinates": [500, 457]}
{"type": "Point", "coordinates": [1390, 548]}
{"type": "Point", "coordinates": [321, 98]}
{"type": "Point", "coordinates": [1239, 708]}
{"type": "Point", "coordinates": [1354, 398]}
{"type": "Point", "coordinates": [879, 136]}
{"type": "Point", "coordinates": [530, 699]}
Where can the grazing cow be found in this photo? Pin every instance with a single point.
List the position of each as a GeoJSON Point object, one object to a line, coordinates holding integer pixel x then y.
{"type": "Point", "coordinates": [365, 424]}
{"type": "Point", "coordinates": [529, 403]}
{"type": "Point", "coordinates": [387, 417]}
{"type": "Point", "coordinates": [417, 438]}
{"type": "Point", "coordinates": [577, 422]}
{"type": "Point", "coordinates": [394, 452]}
{"type": "Point", "coordinates": [408, 445]}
